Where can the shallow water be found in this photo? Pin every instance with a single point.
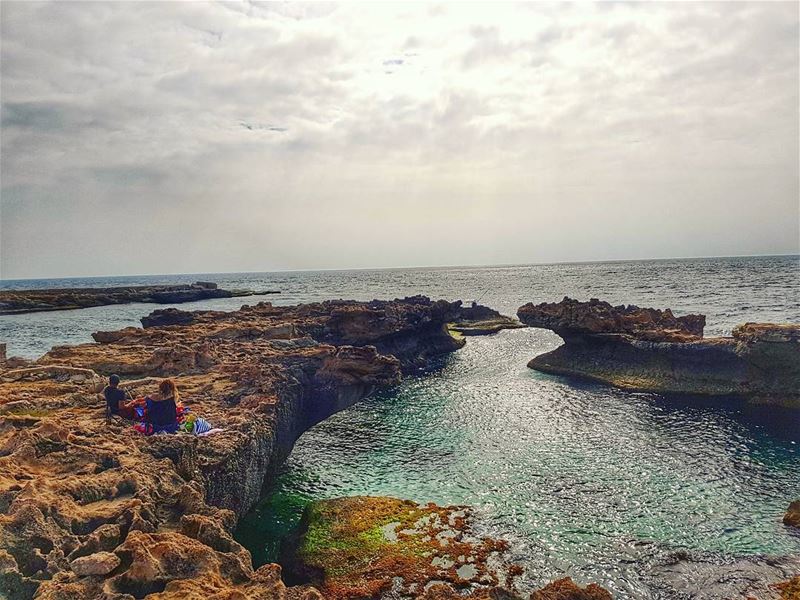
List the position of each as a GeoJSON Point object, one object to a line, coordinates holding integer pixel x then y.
{"type": "Point", "coordinates": [585, 480]}
{"type": "Point", "coordinates": [578, 475]}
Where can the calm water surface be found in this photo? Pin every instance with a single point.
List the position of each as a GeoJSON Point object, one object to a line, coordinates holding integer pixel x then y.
{"type": "Point", "coordinates": [583, 479]}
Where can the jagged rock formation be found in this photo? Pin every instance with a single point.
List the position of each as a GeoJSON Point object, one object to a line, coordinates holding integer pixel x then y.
{"type": "Point", "coordinates": [27, 301]}
{"type": "Point", "coordinates": [570, 318]}
{"type": "Point", "coordinates": [652, 350]}
{"type": "Point", "coordinates": [414, 330]}
{"type": "Point", "coordinates": [565, 589]}
{"type": "Point", "coordinates": [90, 508]}
{"type": "Point", "coordinates": [790, 589]}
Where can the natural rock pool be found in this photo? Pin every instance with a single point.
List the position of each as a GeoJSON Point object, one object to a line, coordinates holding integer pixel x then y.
{"type": "Point", "coordinates": [585, 480]}
{"type": "Point", "coordinates": [601, 484]}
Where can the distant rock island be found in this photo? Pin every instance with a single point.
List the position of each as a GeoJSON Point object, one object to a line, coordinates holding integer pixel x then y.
{"type": "Point", "coordinates": [28, 301]}
{"type": "Point", "coordinates": [652, 350]}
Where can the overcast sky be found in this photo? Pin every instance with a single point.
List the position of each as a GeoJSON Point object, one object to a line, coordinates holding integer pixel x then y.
{"type": "Point", "coordinates": [159, 137]}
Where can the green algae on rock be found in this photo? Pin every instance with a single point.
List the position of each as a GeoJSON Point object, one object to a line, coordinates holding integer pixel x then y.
{"type": "Point", "coordinates": [365, 547]}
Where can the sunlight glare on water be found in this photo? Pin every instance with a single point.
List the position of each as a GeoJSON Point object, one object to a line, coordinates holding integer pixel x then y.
{"type": "Point", "coordinates": [578, 475]}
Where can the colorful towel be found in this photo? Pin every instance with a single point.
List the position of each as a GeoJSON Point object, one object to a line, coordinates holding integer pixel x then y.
{"type": "Point", "coordinates": [201, 426]}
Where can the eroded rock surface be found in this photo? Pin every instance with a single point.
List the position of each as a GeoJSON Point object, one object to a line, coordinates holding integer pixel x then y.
{"type": "Point", "coordinates": [792, 516]}
{"type": "Point", "coordinates": [367, 547]}
{"type": "Point", "coordinates": [379, 547]}
{"type": "Point", "coordinates": [652, 350]}
{"type": "Point", "coordinates": [27, 301]}
{"type": "Point", "coordinates": [76, 488]}
{"type": "Point", "coordinates": [572, 317]}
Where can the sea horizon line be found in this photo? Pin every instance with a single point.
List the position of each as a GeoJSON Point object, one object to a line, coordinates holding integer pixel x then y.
{"type": "Point", "coordinates": [402, 268]}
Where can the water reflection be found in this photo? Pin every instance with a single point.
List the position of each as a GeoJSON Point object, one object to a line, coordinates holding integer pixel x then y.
{"type": "Point", "coordinates": [570, 471]}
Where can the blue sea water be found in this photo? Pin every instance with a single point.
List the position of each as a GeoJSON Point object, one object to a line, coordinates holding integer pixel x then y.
{"type": "Point", "coordinates": [585, 480]}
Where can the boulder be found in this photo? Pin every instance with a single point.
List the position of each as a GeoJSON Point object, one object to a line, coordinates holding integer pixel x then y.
{"type": "Point", "coordinates": [572, 317]}
{"type": "Point", "coordinates": [792, 516]}
{"type": "Point", "coordinates": [366, 547]}
{"type": "Point", "coordinates": [100, 563]}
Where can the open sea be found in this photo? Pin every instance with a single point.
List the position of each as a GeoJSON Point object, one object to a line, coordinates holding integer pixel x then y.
{"type": "Point", "coordinates": [584, 480]}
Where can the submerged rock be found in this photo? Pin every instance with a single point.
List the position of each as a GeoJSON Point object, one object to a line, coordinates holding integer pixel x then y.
{"type": "Point", "coordinates": [707, 576]}
{"type": "Point", "coordinates": [651, 350]}
{"type": "Point", "coordinates": [484, 326]}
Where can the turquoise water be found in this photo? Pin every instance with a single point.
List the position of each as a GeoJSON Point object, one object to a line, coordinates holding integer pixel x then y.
{"type": "Point", "coordinates": [585, 480]}
{"type": "Point", "coordinates": [581, 477]}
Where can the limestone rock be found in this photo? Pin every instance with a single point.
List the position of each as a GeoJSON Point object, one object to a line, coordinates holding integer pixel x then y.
{"type": "Point", "coordinates": [790, 589]}
{"type": "Point", "coordinates": [566, 589]}
{"type": "Point", "coordinates": [365, 547]}
{"type": "Point", "coordinates": [572, 317]}
{"type": "Point", "coordinates": [652, 350]}
{"type": "Point", "coordinates": [792, 516]}
{"type": "Point", "coordinates": [101, 563]}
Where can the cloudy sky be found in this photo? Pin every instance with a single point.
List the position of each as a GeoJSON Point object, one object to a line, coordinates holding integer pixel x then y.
{"type": "Point", "coordinates": [159, 137]}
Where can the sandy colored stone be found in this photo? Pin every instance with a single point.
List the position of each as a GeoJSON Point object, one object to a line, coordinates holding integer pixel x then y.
{"type": "Point", "coordinates": [100, 563]}
{"type": "Point", "coordinates": [651, 350]}
{"type": "Point", "coordinates": [789, 590]}
{"type": "Point", "coordinates": [566, 589]}
{"type": "Point", "coordinates": [792, 516]}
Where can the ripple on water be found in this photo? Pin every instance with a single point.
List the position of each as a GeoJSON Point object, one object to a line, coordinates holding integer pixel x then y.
{"type": "Point", "coordinates": [584, 479]}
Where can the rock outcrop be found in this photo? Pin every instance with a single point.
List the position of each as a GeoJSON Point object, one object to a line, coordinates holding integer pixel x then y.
{"type": "Point", "coordinates": [27, 301]}
{"type": "Point", "coordinates": [77, 490]}
{"type": "Point", "coordinates": [789, 590]}
{"type": "Point", "coordinates": [574, 318]}
{"type": "Point", "coordinates": [651, 350]}
{"type": "Point", "coordinates": [792, 516]}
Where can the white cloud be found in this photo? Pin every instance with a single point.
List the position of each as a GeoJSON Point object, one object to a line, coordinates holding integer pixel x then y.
{"type": "Point", "coordinates": [248, 136]}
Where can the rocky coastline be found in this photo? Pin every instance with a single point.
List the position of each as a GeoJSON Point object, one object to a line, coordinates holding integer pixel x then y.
{"type": "Point", "coordinates": [651, 350]}
{"type": "Point", "coordinates": [89, 508]}
{"type": "Point", "coordinates": [28, 301]}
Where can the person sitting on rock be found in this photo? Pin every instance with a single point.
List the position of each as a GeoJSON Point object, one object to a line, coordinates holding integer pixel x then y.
{"type": "Point", "coordinates": [114, 397]}
{"type": "Point", "coordinates": [162, 410]}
